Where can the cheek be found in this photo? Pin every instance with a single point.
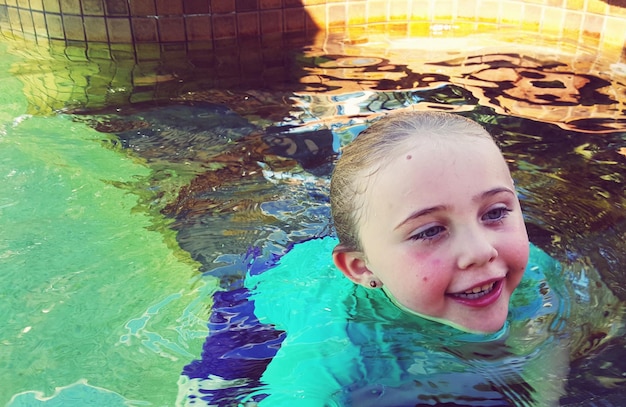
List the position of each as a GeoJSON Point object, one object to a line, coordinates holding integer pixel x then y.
{"type": "Point", "coordinates": [523, 246]}
{"type": "Point", "coordinates": [418, 273]}
{"type": "Point", "coordinates": [429, 277]}
{"type": "Point", "coordinates": [522, 257]}
{"type": "Point", "coordinates": [430, 270]}
{"type": "Point", "coordinates": [517, 255]}
{"type": "Point", "coordinates": [517, 245]}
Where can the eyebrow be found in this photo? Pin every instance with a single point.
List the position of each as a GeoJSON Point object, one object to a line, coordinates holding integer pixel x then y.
{"type": "Point", "coordinates": [436, 208]}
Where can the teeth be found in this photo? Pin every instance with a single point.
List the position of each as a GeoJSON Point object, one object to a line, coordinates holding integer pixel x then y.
{"type": "Point", "coordinates": [477, 292]}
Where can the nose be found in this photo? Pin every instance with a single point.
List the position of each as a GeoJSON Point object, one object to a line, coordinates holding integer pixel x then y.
{"type": "Point", "coordinates": [475, 249]}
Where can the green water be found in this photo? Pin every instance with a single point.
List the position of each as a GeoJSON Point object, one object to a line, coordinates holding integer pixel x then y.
{"type": "Point", "coordinates": [94, 297]}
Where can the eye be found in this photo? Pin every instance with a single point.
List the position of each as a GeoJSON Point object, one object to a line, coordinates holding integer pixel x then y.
{"type": "Point", "coordinates": [496, 214]}
{"type": "Point", "coordinates": [429, 234]}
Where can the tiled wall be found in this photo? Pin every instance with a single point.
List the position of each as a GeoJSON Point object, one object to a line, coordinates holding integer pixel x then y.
{"type": "Point", "coordinates": [131, 51]}
{"type": "Point", "coordinates": [152, 21]}
{"type": "Point", "coordinates": [208, 22]}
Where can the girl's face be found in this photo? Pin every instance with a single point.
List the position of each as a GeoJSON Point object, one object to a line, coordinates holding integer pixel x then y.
{"type": "Point", "coordinates": [443, 231]}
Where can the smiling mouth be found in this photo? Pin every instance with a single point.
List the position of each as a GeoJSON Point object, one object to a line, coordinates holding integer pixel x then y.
{"type": "Point", "coordinates": [476, 292]}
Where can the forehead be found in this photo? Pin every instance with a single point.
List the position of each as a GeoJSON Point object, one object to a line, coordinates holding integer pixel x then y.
{"type": "Point", "coordinates": [439, 150]}
{"type": "Point", "coordinates": [421, 166]}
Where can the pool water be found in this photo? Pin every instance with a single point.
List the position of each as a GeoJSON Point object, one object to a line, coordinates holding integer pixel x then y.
{"type": "Point", "coordinates": [127, 228]}
{"type": "Point", "coordinates": [98, 300]}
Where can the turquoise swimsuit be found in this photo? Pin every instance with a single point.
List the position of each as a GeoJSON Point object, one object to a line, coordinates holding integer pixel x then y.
{"type": "Point", "coordinates": [347, 345]}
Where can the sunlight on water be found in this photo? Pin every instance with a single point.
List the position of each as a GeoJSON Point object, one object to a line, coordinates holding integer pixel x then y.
{"type": "Point", "coordinates": [92, 290]}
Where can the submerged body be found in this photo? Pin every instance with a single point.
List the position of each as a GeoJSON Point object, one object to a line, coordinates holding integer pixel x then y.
{"type": "Point", "coordinates": [346, 345]}
{"type": "Point", "coordinates": [425, 208]}
{"type": "Point", "coordinates": [460, 319]}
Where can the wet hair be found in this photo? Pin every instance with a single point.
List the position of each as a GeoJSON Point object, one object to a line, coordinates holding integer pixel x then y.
{"type": "Point", "coordinates": [369, 152]}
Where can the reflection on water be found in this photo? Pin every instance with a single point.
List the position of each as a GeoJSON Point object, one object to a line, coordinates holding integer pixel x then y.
{"type": "Point", "coordinates": [561, 131]}
{"type": "Point", "coordinates": [243, 171]}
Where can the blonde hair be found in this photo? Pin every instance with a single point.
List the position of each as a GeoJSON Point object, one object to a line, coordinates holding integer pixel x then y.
{"type": "Point", "coordinates": [369, 152]}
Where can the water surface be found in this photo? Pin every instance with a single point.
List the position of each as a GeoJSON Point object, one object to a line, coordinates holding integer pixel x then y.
{"type": "Point", "coordinates": [122, 219]}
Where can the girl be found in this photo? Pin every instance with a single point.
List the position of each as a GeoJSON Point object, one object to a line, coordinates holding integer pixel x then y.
{"type": "Point", "coordinates": [430, 229]}
{"type": "Point", "coordinates": [425, 207]}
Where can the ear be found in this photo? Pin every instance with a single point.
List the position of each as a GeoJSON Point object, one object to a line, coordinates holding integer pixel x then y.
{"type": "Point", "coordinates": [352, 265]}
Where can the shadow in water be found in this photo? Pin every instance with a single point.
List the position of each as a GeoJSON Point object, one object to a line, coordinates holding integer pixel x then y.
{"type": "Point", "coordinates": [240, 45]}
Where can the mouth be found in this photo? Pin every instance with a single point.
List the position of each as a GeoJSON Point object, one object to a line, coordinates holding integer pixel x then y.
{"type": "Point", "coordinates": [480, 296]}
{"type": "Point", "coordinates": [477, 292]}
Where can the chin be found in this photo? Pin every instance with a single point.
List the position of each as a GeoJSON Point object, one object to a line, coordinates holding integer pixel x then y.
{"type": "Point", "coordinates": [479, 327]}
{"type": "Point", "coordinates": [486, 324]}
{"type": "Point", "coordinates": [489, 329]}
{"type": "Point", "coordinates": [482, 323]}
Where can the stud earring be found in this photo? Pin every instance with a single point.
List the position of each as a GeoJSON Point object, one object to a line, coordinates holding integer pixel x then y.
{"type": "Point", "coordinates": [373, 284]}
